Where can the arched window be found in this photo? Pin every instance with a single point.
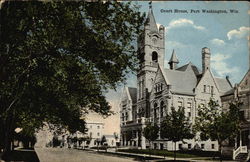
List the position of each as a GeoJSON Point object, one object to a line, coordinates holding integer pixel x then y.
{"type": "Point", "coordinates": [155, 56]}
{"type": "Point", "coordinates": [155, 110]}
{"type": "Point", "coordinates": [161, 108]}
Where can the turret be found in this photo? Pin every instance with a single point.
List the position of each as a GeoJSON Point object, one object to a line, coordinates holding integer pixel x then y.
{"type": "Point", "coordinates": [173, 61]}
{"type": "Point", "coordinates": [205, 59]}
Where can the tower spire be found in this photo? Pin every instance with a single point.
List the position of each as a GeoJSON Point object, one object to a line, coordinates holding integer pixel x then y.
{"type": "Point", "coordinates": [150, 22]}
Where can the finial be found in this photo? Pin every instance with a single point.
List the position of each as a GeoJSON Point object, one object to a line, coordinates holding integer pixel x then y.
{"type": "Point", "coordinates": [150, 4]}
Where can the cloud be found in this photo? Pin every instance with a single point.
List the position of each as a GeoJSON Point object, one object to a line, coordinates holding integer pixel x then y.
{"type": "Point", "coordinates": [218, 42]}
{"type": "Point", "coordinates": [220, 65]}
{"type": "Point", "coordinates": [175, 45]}
{"type": "Point", "coordinates": [238, 33]}
{"type": "Point", "coordinates": [184, 22]}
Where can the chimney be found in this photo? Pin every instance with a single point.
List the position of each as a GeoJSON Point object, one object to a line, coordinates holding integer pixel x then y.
{"type": "Point", "coordinates": [205, 59]}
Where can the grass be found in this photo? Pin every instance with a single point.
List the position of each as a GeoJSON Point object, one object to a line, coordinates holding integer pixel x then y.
{"type": "Point", "coordinates": [159, 153]}
{"type": "Point", "coordinates": [25, 155]}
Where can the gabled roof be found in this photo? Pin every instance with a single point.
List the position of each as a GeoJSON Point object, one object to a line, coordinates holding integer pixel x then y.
{"type": "Point", "coordinates": [133, 93]}
{"type": "Point", "coordinates": [223, 84]}
{"type": "Point", "coordinates": [181, 81]}
{"type": "Point", "coordinates": [246, 76]}
{"type": "Point", "coordinates": [193, 67]}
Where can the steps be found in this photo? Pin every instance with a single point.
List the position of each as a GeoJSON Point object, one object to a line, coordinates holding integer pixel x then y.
{"type": "Point", "coordinates": [242, 157]}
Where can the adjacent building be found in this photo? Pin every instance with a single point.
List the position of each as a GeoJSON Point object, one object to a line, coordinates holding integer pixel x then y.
{"type": "Point", "coordinates": [240, 147]}
{"type": "Point", "coordinates": [159, 88]}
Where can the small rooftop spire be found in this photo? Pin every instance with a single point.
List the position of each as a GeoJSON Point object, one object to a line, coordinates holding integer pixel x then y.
{"type": "Point", "coordinates": [173, 58]}
{"type": "Point", "coordinates": [173, 61]}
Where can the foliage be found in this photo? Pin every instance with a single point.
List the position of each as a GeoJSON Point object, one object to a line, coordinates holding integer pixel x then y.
{"type": "Point", "coordinates": [58, 59]}
{"type": "Point", "coordinates": [176, 126]}
{"type": "Point", "coordinates": [151, 132]}
{"type": "Point", "coordinates": [103, 140]}
{"type": "Point", "coordinates": [214, 124]}
{"type": "Point", "coordinates": [26, 138]}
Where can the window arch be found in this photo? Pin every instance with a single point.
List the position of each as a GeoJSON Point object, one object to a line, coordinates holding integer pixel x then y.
{"type": "Point", "coordinates": [155, 56]}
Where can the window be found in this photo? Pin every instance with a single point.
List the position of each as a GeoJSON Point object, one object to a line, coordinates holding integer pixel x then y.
{"type": "Point", "coordinates": [202, 146]}
{"type": "Point", "coordinates": [180, 104]}
{"type": "Point", "coordinates": [154, 56]}
{"type": "Point", "coordinates": [180, 146]}
{"type": "Point", "coordinates": [98, 134]}
{"type": "Point", "coordinates": [155, 112]}
{"type": "Point", "coordinates": [155, 145]}
{"type": "Point", "coordinates": [188, 109]}
{"type": "Point", "coordinates": [212, 146]}
{"type": "Point", "coordinates": [208, 89]}
{"type": "Point", "coordinates": [90, 134]}
{"type": "Point", "coordinates": [158, 87]}
{"type": "Point", "coordinates": [91, 126]}
{"type": "Point", "coordinates": [212, 90]}
{"type": "Point", "coordinates": [204, 88]}
{"type": "Point", "coordinates": [98, 127]}
{"type": "Point", "coordinates": [161, 108]}
{"type": "Point", "coordinates": [161, 146]}
{"type": "Point", "coordinates": [189, 146]}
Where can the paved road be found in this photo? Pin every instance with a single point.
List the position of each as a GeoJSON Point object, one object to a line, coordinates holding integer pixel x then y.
{"type": "Point", "coordinates": [72, 155]}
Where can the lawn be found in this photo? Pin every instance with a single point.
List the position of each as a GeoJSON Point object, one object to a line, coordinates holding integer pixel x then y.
{"type": "Point", "coordinates": [179, 154]}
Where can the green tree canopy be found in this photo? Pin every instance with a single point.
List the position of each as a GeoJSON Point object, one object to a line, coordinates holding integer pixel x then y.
{"type": "Point", "coordinates": [176, 127]}
{"type": "Point", "coordinates": [58, 58]}
{"type": "Point", "coordinates": [151, 132]}
{"type": "Point", "coordinates": [214, 124]}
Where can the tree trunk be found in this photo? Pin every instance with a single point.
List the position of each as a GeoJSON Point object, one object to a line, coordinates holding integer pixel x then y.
{"type": "Point", "coordinates": [174, 151]}
{"type": "Point", "coordinates": [8, 135]}
{"type": "Point", "coordinates": [220, 150]}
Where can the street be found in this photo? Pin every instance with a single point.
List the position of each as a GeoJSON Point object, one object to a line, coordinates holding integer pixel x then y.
{"type": "Point", "coordinates": [72, 155]}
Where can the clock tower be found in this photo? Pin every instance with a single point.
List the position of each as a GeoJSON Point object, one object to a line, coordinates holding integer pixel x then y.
{"type": "Point", "coordinates": [151, 53]}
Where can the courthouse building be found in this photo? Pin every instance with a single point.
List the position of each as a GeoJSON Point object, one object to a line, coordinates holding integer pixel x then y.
{"type": "Point", "coordinates": [159, 88]}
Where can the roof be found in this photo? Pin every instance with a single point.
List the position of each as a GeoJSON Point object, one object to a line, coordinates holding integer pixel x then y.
{"type": "Point", "coordinates": [194, 68]}
{"type": "Point", "coordinates": [173, 58]}
{"type": "Point", "coordinates": [223, 84]}
{"type": "Point", "coordinates": [185, 79]}
{"type": "Point", "coordinates": [230, 92]}
{"type": "Point", "coordinates": [181, 81]}
{"type": "Point", "coordinates": [133, 93]}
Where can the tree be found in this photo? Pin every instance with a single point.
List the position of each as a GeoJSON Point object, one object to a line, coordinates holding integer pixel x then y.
{"type": "Point", "coordinates": [176, 127]}
{"type": "Point", "coordinates": [59, 58]}
{"type": "Point", "coordinates": [116, 138]}
{"type": "Point", "coordinates": [151, 132]}
{"type": "Point", "coordinates": [214, 124]}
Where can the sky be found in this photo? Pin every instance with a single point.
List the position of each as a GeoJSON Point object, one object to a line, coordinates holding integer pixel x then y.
{"type": "Point", "coordinates": [226, 34]}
